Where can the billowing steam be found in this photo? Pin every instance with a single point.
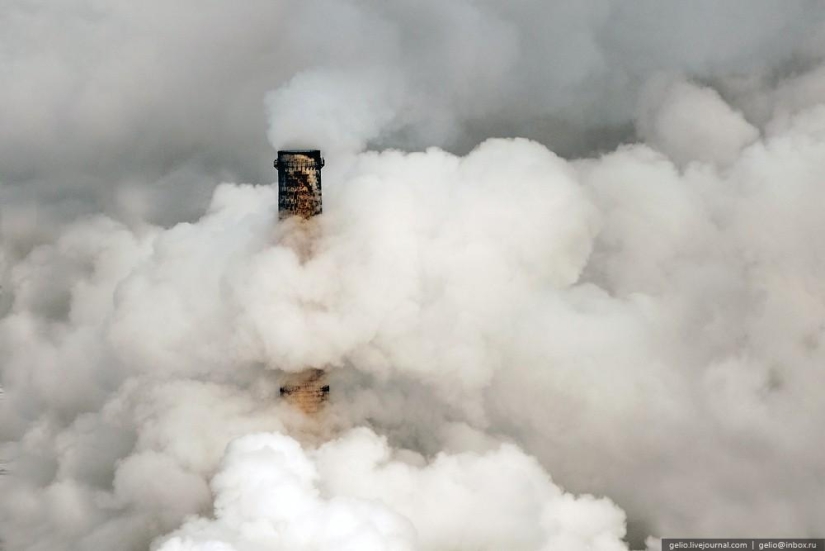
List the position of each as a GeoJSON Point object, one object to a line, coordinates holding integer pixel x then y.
{"type": "Point", "coordinates": [269, 493]}
{"type": "Point", "coordinates": [608, 330]}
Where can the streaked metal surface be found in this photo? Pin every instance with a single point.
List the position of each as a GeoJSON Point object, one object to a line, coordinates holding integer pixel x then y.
{"type": "Point", "coordinates": [299, 182]}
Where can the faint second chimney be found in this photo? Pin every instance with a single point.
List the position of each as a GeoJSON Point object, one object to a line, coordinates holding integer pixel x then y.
{"type": "Point", "coordinates": [307, 390]}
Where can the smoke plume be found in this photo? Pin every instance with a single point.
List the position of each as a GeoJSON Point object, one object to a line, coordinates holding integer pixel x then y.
{"type": "Point", "coordinates": [566, 285]}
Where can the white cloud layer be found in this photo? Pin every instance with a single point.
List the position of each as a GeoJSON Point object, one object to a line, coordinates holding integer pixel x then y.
{"type": "Point", "coordinates": [643, 325]}
{"type": "Point", "coordinates": [351, 493]}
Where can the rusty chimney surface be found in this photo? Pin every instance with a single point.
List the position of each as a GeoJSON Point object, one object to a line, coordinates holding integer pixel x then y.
{"type": "Point", "coordinates": [299, 182]}
{"type": "Point", "coordinates": [307, 390]}
{"type": "Point", "coordinates": [299, 194]}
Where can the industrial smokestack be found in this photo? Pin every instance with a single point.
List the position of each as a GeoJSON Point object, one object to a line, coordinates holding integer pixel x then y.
{"type": "Point", "coordinates": [299, 193]}
{"type": "Point", "coordinates": [299, 182]}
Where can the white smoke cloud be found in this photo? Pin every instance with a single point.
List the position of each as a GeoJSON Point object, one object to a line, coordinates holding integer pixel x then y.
{"type": "Point", "coordinates": [304, 115]}
{"type": "Point", "coordinates": [669, 122]}
{"type": "Point", "coordinates": [352, 493]}
{"type": "Point", "coordinates": [103, 98]}
{"type": "Point", "coordinates": [643, 325]}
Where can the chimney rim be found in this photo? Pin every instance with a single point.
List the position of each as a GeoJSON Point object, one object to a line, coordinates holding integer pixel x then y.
{"type": "Point", "coordinates": [311, 152]}
{"type": "Point", "coordinates": [287, 157]}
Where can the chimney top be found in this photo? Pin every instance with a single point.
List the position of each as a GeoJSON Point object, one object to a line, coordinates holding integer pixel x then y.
{"type": "Point", "coordinates": [299, 156]}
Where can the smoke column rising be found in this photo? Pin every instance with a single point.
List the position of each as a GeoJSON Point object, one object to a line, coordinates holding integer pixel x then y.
{"type": "Point", "coordinates": [603, 334]}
